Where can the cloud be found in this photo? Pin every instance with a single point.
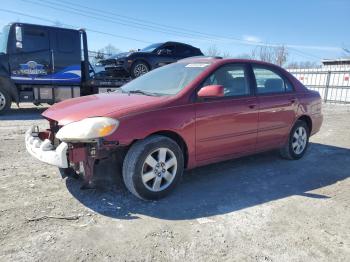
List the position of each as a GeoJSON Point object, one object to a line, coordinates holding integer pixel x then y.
{"type": "Point", "coordinates": [254, 40]}
{"type": "Point", "coordinates": [251, 38]}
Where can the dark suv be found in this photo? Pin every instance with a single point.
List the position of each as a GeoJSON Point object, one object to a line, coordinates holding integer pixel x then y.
{"type": "Point", "coordinates": [148, 58]}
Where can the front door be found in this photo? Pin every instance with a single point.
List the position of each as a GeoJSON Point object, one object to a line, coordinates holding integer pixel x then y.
{"type": "Point", "coordinates": [165, 55]}
{"type": "Point", "coordinates": [30, 59]}
{"type": "Point", "coordinates": [277, 103]}
{"type": "Point", "coordinates": [227, 126]}
{"type": "Point", "coordinates": [66, 57]}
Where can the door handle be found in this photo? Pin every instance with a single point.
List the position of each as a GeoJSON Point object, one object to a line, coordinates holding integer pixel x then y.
{"type": "Point", "coordinates": [53, 61]}
{"type": "Point", "coordinates": [252, 106]}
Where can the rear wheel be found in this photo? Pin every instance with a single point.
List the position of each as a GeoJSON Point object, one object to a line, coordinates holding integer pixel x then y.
{"type": "Point", "coordinates": [297, 142]}
{"type": "Point", "coordinates": [5, 100]}
{"type": "Point", "coordinates": [153, 167]}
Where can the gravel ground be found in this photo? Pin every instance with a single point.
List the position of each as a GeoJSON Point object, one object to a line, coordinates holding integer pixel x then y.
{"type": "Point", "coordinates": [257, 208]}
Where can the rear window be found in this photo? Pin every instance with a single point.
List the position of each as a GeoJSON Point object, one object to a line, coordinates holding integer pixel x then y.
{"type": "Point", "coordinates": [268, 81]}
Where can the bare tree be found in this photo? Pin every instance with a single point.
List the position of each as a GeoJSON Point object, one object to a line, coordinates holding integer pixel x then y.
{"type": "Point", "coordinates": [280, 55]}
{"type": "Point", "coordinates": [226, 54]}
{"type": "Point", "coordinates": [213, 51]}
{"type": "Point", "coordinates": [109, 50]}
{"type": "Point", "coordinates": [293, 65]}
{"type": "Point", "coordinates": [303, 65]}
{"type": "Point", "coordinates": [272, 54]}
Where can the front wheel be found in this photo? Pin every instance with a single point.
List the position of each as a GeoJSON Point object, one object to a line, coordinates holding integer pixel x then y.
{"type": "Point", "coordinates": [152, 167]}
{"type": "Point", "coordinates": [5, 100]}
{"type": "Point", "coordinates": [298, 141]}
{"type": "Point", "coordinates": [139, 68]}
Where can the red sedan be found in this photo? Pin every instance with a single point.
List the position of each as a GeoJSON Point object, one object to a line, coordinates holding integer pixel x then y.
{"type": "Point", "coordinates": [184, 115]}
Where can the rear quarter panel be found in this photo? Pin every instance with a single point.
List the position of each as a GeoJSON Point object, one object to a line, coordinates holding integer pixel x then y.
{"type": "Point", "coordinates": [310, 104]}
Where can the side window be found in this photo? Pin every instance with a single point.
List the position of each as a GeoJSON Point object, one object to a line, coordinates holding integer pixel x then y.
{"type": "Point", "coordinates": [66, 41]}
{"type": "Point", "coordinates": [183, 51]}
{"type": "Point", "coordinates": [169, 49]}
{"type": "Point", "coordinates": [232, 77]}
{"type": "Point", "coordinates": [268, 82]}
{"type": "Point", "coordinates": [35, 39]}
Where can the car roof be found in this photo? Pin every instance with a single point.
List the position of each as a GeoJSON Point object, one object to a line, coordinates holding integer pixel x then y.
{"type": "Point", "coordinates": [178, 43]}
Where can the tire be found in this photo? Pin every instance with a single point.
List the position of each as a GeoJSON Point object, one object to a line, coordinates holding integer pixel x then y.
{"type": "Point", "coordinates": [5, 100]}
{"type": "Point", "coordinates": [139, 68]}
{"type": "Point", "coordinates": [296, 147]}
{"type": "Point", "coordinates": [144, 174]}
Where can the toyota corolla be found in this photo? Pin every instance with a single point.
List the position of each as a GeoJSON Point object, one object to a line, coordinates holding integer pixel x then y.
{"type": "Point", "coordinates": [184, 115]}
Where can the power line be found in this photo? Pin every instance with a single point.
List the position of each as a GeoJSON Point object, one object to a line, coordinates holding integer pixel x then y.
{"type": "Point", "coordinates": [300, 53]}
{"type": "Point", "coordinates": [152, 28]}
{"type": "Point", "coordinates": [60, 7]}
{"type": "Point", "coordinates": [72, 26]}
{"type": "Point", "coordinates": [136, 19]}
{"type": "Point", "coordinates": [124, 19]}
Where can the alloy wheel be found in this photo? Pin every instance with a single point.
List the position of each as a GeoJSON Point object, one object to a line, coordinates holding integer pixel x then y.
{"type": "Point", "coordinates": [159, 169]}
{"type": "Point", "coordinates": [299, 140]}
{"type": "Point", "coordinates": [140, 70]}
{"type": "Point", "coordinates": [2, 101]}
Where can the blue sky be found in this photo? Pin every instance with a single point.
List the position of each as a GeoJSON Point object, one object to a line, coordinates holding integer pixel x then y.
{"type": "Point", "coordinates": [312, 30]}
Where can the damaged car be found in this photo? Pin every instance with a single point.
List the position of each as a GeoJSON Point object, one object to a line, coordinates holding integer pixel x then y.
{"type": "Point", "coordinates": [184, 115]}
{"type": "Point", "coordinates": [137, 63]}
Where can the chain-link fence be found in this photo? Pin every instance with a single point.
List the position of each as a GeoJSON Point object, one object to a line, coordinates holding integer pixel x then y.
{"type": "Point", "coordinates": [333, 84]}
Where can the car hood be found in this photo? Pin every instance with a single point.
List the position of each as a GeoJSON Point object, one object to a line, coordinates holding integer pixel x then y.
{"type": "Point", "coordinates": [112, 104]}
{"type": "Point", "coordinates": [113, 58]}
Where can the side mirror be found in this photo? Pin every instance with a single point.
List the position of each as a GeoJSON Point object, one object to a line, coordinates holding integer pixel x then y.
{"type": "Point", "coordinates": [211, 91]}
{"type": "Point", "coordinates": [19, 44]}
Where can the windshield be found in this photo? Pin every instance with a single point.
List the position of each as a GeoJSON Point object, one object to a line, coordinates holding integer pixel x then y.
{"type": "Point", "coordinates": [151, 47]}
{"type": "Point", "coordinates": [3, 38]}
{"type": "Point", "coordinates": [167, 80]}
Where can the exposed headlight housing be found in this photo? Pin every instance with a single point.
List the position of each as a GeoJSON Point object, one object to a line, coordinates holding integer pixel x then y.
{"type": "Point", "coordinates": [87, 129]}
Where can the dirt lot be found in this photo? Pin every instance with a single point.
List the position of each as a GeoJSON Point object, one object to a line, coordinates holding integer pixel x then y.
{"type": "Point", "coordinates": [258, 208]}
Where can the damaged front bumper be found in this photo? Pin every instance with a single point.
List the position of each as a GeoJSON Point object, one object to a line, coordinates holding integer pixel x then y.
{"type": "Point", "coordinates": [44, 150]}
{"type": "Point", "coordinates": [80, 158]}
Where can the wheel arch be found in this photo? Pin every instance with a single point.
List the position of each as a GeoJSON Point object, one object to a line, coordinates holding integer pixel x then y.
{"type": "Point", "coordinates": [10, 86]}
{"type": "Point", "coordinates": [174, 136]}
{"type": "Point", "coordinates": [307, 119]}
{"type": "Point", "coordinates": [143, 61]}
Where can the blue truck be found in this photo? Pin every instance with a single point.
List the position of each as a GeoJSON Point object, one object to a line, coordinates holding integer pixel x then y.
{"type": "Point", "coordinates": [46, 64]}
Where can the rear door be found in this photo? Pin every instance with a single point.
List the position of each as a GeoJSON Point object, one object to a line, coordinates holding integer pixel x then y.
{"type": "Point", "coordinates": [277, 103]}
{"type": "Point", "coordinates": [227, 126]}
{"type": "Point", "coordinates": [30, 59]}
{"type": "Point", "coordinates": [66, 56]}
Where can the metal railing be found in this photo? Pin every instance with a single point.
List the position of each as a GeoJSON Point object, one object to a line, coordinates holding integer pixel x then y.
{"type": "Point", "coordinates": [333, 84]}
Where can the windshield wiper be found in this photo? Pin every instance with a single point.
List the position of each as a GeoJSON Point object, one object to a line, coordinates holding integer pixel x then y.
{"type": "Point", "coordinates": [138, 91]}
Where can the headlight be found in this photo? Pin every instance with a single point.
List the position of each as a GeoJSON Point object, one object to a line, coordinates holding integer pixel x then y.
{"type": "Point", "coordinates": [87, 129]}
